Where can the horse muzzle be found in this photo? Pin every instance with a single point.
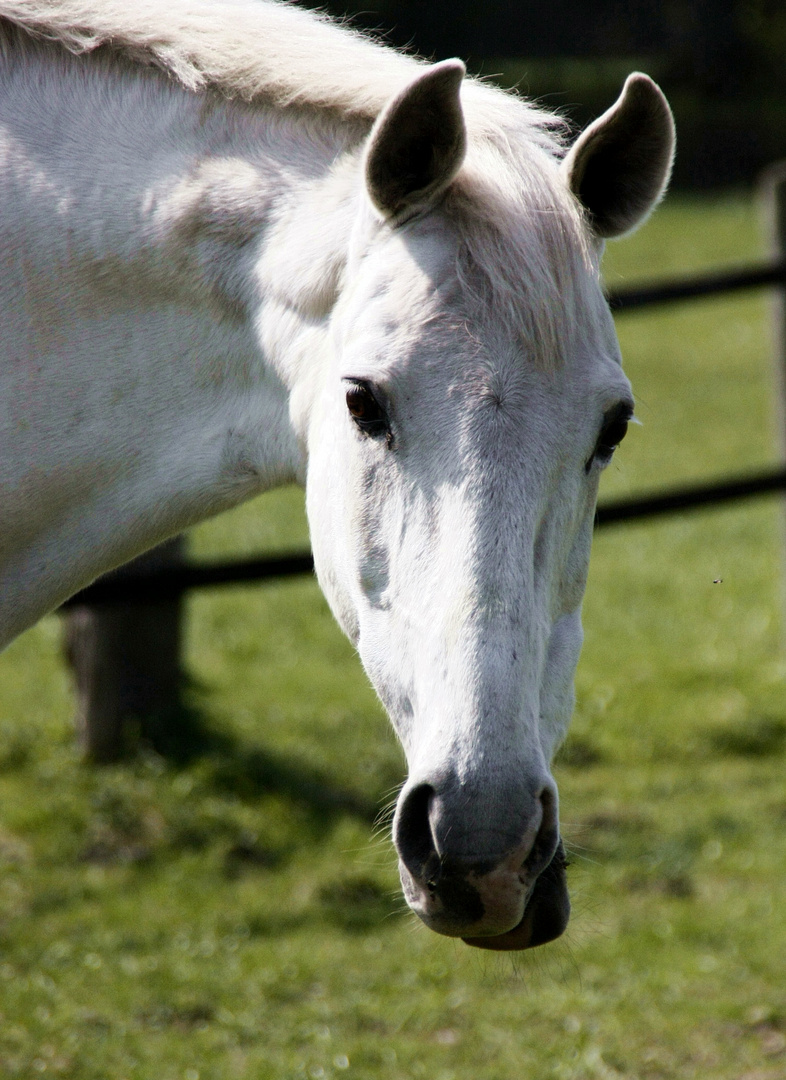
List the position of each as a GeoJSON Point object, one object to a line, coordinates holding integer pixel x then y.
{"type": "Point", "coordinates": [509, 901]}
{"type": "Point", "coordinates": [546, 912]}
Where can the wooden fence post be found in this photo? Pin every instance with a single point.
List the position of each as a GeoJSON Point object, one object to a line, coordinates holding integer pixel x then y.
{"type": "Point", "coordinates": [772, 191]}
{"type": "Point", "coordinates": [772, 187]}
{"type": "Point", "coordinates": [126, 664]}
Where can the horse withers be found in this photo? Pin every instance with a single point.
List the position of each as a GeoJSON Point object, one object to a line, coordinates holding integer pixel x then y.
{"type": "Point", "coordinates": [241, 245]}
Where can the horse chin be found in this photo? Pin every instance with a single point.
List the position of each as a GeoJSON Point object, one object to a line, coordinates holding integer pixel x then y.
{"type": "Point", "coordinates": [545, 916]}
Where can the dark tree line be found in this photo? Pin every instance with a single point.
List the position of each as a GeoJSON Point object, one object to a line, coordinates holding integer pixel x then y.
{"type": "Point", "coordinates": [722, 62]}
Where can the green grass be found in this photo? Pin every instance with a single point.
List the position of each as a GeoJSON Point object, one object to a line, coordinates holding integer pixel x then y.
{"type": "Point", "coordinates": [239, 917]}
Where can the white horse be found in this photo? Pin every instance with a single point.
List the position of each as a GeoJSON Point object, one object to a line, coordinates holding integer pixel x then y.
{"type": "Point", "coordinates": [241, 245]}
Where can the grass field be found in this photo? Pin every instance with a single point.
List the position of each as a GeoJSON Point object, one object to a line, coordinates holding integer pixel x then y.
{"type": "Point", "coordinates": [233, 913]}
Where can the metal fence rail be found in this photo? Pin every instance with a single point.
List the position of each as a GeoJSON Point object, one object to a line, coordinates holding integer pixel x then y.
{"type": "Point", "coordinates": [698, 285]}
{"type": "Point", "coordinates": [690, 497]}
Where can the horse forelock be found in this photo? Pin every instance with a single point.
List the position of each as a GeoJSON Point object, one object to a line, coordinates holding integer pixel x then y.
{"type": "Point", "coordinates": [526, 260]}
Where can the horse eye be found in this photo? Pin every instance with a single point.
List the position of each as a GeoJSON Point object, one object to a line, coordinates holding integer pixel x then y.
{"type": "Point", "coordinates": [613, 433]}
{"type": "Point", "coordinates": [366, 411]}
{"type": "Point", "coordinates": [614, 430]}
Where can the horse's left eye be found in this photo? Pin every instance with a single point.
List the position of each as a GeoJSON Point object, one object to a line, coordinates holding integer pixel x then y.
{"type": "Point", "coordinates": [614, 430]}
{"type": "Point", "coordinates": [365, 410]}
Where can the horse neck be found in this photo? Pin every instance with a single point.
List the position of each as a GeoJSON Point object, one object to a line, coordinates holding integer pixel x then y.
{"type": "Point", "coordinates": [153, 239]}
{"type": "Point", "coordinates": [177, 191]}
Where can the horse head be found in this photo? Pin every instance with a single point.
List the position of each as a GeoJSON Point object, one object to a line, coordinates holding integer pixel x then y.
{"type": "Point", "coordinates": [472, 397]}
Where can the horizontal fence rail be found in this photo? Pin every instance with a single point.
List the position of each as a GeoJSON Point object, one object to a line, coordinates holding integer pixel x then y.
{"type": "Point", "coordinates": [698, 285]}
{"type": "Point", "coordinates": [690, 497]}
{"type": "Point", "coordinates": [157, 585]}
{"type": "Point", "coordinates": [150, 586]}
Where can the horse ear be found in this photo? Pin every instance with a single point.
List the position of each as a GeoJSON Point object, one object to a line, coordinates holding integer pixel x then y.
{"type": "Point", "coordinates": [620, 165]}
{"type": "Point", "coordinates": [417, 144]}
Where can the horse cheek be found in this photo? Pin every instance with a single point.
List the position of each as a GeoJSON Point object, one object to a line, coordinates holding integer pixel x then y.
{"type": "Point", "coordinates": [326, 490]}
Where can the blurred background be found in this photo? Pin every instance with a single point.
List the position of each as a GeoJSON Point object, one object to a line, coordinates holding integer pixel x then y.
{"type": "Point", "coordinates": [720, 62]}
{"type": "Point", "coordinates": [218, 904]}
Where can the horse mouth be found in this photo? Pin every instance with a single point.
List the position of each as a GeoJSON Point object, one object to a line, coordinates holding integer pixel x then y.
{"type": "Point", "coordinates": [545, 916]}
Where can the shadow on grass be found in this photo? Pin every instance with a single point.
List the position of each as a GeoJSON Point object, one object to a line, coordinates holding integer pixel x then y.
{"type": "Point", "coordinates": [357, 904]}
{"type": "Point", "coordinates": [579, 752]}
{"type": "Point", "coordinates": [186, 736]}
{"type": "Point", "coordinates": [764, 737]}
{"type": "Point", "coordinates": [249, 772]}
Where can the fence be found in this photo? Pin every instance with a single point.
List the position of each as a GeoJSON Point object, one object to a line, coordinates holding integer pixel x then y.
{"type": "Point", "coordinates": [123, 631]}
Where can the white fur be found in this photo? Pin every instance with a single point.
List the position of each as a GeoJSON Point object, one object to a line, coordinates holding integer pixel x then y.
{"type": "Point", "coordinates": [191, 270]}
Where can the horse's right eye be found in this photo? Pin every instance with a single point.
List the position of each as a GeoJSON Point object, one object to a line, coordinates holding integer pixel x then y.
{"type": "Point", "coordinates": [366, 411]}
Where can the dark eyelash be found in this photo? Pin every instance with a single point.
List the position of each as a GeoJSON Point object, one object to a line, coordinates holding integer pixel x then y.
{"type": "Point", "coordinates": [366, 412]}
{"type": "Point", "coordinates": [614, 430]}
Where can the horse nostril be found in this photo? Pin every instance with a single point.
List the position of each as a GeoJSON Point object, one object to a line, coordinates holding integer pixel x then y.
{"type": "Point", "coordinates": [549, 802]}
{"type": "Point", "coordinates": [547, 838]}
{"type": "Point", "coordinates": [413, 838]}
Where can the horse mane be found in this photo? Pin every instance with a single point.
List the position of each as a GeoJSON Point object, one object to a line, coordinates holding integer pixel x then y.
{"type": "Point", "coordinates": [524, 232]}
{"type": "Point", "coordinates": [244, 48]}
